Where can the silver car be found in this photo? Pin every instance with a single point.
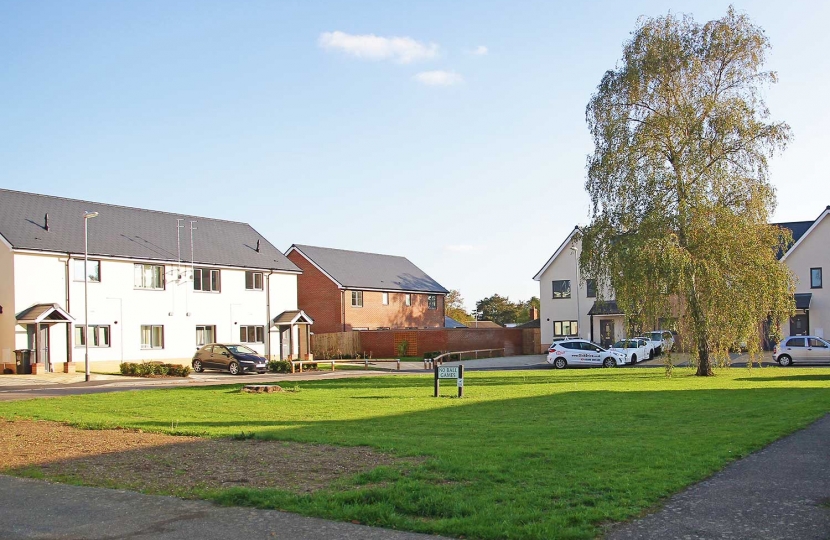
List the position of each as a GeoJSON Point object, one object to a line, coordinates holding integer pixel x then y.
{"type": "Point", "coordinates": [802, 350]}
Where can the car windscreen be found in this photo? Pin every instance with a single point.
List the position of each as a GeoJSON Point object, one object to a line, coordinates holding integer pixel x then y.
{"type": "Point", "coordinates": [656, 336]}
{"type": "Point", "coordinates": [624, 344]}
{"type": "Point", "coordinates": [240, 349]}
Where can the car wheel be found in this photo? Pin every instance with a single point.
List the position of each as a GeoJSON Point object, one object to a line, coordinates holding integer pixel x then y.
{"type": "Point", "coordinates": [785, 360]}
{"type": "Point", "coordinates": [560, 363]}
{"type": "Point", "coordinates": [233, 367]}
{"type": "Point", "coordinates": [609, 362]}
{"type": "Point", "coordinates": [633, 359]}
{"type": "Point", "coordinates": [651, 354]}
{"type": "Point", "coordinates": [197, 366]}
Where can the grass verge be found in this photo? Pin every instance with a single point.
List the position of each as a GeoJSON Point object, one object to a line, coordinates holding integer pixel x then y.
{"type": "Point", "coordinates": [539, 454]}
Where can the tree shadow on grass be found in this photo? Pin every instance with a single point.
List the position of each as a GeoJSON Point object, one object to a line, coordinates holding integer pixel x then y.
{"type": "Point", "coordinates": [784, 378]}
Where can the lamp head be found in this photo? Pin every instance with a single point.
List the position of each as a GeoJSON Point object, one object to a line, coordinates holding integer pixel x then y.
{"type": "Point", "coordinates": [88, 215]}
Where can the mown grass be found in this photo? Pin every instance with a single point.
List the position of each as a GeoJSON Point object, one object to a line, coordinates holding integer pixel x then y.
{"type": "Point", "coordinates": [539, 454]}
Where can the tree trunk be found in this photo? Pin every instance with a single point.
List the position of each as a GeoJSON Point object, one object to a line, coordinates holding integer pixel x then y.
{"type": "Point", "coordinates": [700, 333]}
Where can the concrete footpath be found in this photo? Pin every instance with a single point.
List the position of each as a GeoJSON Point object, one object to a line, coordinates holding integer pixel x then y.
{"type": "Point", "coordinates": [780, 492]}
{"type": "Point", "coordinates": [33, 509]}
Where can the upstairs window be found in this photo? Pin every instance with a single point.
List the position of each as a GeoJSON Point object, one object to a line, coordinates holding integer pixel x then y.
{"type": "Point", "coordinates": [815, 278]}
{"type": "Point", "coordinates": [93, 270]}
{"type": "Point", "coordinates": [253, 281]}
{"type": "Point", "coordinates": [432, 301]}
{"type": "Point", "coordinates": [149, 276]}
{"type": "Point", "coordinates": [408, 299]}
{"type": "Point", "coordinates": [591, 288]}
{"type": "Point", "coordinates": [385, 298]}
{"type": "Point", "coordinates": [562, 288]}
{"type": "Point", "coordinates": [357, 298]}
{"type": "Point", "coordinates": [206, 279]}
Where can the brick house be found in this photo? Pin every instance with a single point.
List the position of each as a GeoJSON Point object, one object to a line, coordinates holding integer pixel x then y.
{"type": "Point", "coordinates": [350, 290]}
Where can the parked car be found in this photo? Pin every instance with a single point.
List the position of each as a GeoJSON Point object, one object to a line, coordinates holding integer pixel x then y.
{"type": "Point", "coordinates": [653, 346]}
{"type": "Point", "coordinates": [237, 359]}
{"type": "Point", "coordinates": [665, 337]}
{"type": "Point", "coordinates": [801, 350]}
{"type": "Point", "coordinates": [581, 352]}
{"type": "Point", "coordinates": [635, 350]}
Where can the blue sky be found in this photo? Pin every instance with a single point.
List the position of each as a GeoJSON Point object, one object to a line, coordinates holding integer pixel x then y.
{"type": "Point", "coordinates": [461, 145]}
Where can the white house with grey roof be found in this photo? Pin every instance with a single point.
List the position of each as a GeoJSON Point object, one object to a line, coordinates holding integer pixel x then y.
{"type": "Point", "coordinates": [160, 285]}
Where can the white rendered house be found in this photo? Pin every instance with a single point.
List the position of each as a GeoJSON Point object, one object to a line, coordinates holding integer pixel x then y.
{"type": "Point", "coordinates": [159, 284]}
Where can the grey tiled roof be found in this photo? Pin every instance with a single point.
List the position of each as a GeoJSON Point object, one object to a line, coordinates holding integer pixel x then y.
{"type": "Point", "coordinates": [449, 322]}
{"type": "Point", "coordinates": [121, 231]}
{"type": "Point", "coordinates": [358, 270]}
{"type": "Point", "coordinates": [797, 228]}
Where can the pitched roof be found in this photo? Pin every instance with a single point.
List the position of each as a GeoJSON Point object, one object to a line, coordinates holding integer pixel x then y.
{"type": "Point", "coordinates": [449, 322]}
{"type": "Point", "coordinates": [40, 312]}
{"type": "Point", "coordinates": [802, 229]}
{"type": "Point", "coordinates": [605, 307]}
{"type": "Point", "coordinates": [120, 231]}
{"type": "Point", "coordinates": [358, 270]}
{"type": "Point", "coordinates": [535, 323]}
{"type": "Point", "coordinates": [294, 316]}
{"type": "Point", "coordinates": [482, 324]}
{"type": "Point", "coordinates": [556, 253]}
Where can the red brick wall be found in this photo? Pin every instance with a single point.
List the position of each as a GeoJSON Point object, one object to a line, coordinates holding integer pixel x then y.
{"type": "Point", "coordinates": [397, 314]}
{"type": "Point", "coordinates": [381, 343]}
{"type": "Point", "coordinates": [318, 296]}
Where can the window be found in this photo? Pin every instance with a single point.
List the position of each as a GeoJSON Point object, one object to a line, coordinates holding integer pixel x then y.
{"type": "Point", "coordinates": [565, 328]}
{"type": "Point", "coordinates": [253, 281]}
{"type": "Point", "coordinates": [815, 278]}
{"type": "Point", "coordinates": [796, 342]}
{"type": "Point", "coordinates": [408, 299]}
{"type": "Point", "coordinates": [591, 288]}
{"type": "Point", "coordinates": [357, 298]}
{"type": "Point", "coordinates": [562, 288]}
{"type": "Point", "coordinates": [385, 298]}
{"type": "Point", "coordinates": [432, 301]}
{"type": "Point", "coordinates": [99, 336]}
{"type": "Point", "coordinates": [206, 279]}
{"type": "Point", "coordinates": [252, 334]}
{"type": "Point", "coordinates": [149, 276]}
{"type": "Point", "coordinates": [94, 267]}
{"type": "Point", "coordinates": [816, 343]}
{"type": "Point", "coordinates": [152, 336]}
{"type": "Point", "coordinates": [205, 334]}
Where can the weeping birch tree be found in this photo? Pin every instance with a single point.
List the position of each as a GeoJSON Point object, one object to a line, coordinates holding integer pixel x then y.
{"type": "Point", "coordinates": [679, 183]}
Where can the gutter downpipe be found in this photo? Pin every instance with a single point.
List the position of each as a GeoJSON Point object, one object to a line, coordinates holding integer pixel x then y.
{"type": "Point", "coordinates": [268, 314]}
{"type": "Point", "coordinates": [69, 344]}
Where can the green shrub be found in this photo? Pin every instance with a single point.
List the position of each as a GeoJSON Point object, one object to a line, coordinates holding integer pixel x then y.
{"type": "Point", "coordinates": [279, 366]}
{"type": "Point", "coordinates": [148, 369]}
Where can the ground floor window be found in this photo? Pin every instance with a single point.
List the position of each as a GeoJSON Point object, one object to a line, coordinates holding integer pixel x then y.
{"type": "Point", "coordinates": [98, 335]}
{"type": "Point", "coordinates": [205, 334]}
{"type": "Point", "coordinates": [565, 328]}
{"type": "Point", "coordinates": [252, 334]}
{"type": "Point", "coordinates": [152, 336]}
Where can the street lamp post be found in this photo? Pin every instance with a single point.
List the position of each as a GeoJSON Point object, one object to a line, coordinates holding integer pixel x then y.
{"type": "Point", "coordinates": [576, 289]}
{"type": "Point", "coordinates": [87, 217]}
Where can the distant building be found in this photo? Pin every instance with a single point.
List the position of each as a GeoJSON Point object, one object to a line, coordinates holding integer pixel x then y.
{"type": "Point", "coordinates": [351, 290]}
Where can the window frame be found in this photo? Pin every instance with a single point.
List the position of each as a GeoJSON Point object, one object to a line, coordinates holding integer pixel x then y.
{"type": "Point", "coordinates": [357, 299]}
{"type": "Point", "coordinates": [591, 284]}
{"type": "Point", "coordinates": [97, 329]}
{"type": "Point", "coordinates": [407, 299]}
{"type": "Point", "coordinates": [142, 286]}
{"type": "Point", "coordinates": [253, 274]}
{"type": "Point", "coordinates": [572, 326]}
{"type": "Point", "coordinates": [561, 294]}
{"type": "Point", "coordinates": [204, 327]}
{"type": "Point", "coordinates": [820, 278]}
{"type": "Point", "coordinates": [211, 281]}
{"type": "Point", "coordinates": [432, 301]}
{"type": "Point", "coordinates": [79, 275]}
{"type": "Point", "coordinates": [384, 298]}
{"type": "Point", "coordinates": [151, 345]}
{"type": "Point", "coordinates": [258, 333]}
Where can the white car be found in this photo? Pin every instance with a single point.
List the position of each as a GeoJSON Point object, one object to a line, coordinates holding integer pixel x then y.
{"type": "Point", "coordinates": [655, 345]}
{"type": "Point", "coordinates": [581, 352]}
{"type": "Point", "coordinates": [635, 350]}
{"type": "Point", "coordinates": [802, 350]}
{"type": "Point", "coordinates": [665, 338]}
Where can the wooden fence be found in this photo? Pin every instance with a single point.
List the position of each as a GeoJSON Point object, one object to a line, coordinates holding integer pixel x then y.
{"type": "Point", "coordinates": [335, 345]}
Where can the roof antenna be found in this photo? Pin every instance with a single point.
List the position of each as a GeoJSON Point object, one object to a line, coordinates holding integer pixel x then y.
{"type": "Point", "coordinates": [257, 246]}
{"type": "Point", "coordinates": [46, 222]}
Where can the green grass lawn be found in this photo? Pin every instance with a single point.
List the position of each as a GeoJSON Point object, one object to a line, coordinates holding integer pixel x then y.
{"type": "Point", "coordinates": [537, 454]}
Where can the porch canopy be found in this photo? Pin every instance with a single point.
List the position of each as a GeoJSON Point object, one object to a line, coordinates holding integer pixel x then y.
{"type": "Point", "coordinates": [802, 300]}
{"type": "Point", "coordinates": [605, 307]}
{"type": "Point", "coordinates": [44, 313]}
{"type": "Point", "coordinates": [288, 320]}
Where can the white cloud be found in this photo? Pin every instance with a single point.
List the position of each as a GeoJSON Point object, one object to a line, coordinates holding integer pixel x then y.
{"type": "Point", "coordinates": [463, 248]}
{"type": "Point", "coordinates": [402, 50]}
{"type": "Point", "coordinates": [481, 50]}
{"type": "Point", "coordinates": [439, 78]}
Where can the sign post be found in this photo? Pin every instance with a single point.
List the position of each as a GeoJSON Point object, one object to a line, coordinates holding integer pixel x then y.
{"type": "Point", "coordinates": [449, 372]}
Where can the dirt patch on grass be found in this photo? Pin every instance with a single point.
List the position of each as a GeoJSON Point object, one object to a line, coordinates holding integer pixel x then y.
{"type": "Point", "coordinates": [158, 463]}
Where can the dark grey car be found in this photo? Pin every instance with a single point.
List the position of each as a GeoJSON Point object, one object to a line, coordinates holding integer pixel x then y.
{"type": "Point", "coordinates": [237, 359]}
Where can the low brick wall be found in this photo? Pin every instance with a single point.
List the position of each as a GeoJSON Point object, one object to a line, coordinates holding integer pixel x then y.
{"type": "Point", "coordinates": [383, 343]}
